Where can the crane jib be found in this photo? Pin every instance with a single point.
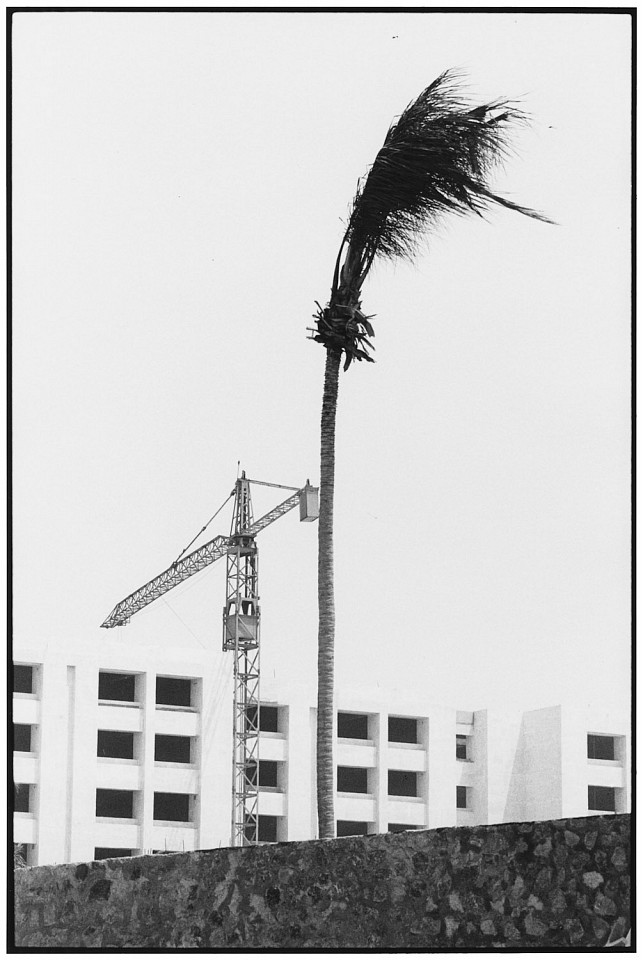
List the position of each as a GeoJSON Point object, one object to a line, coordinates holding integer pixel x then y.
{"type": "Point", "coordinates": [188, 566]}
{"type": "Point", "coordinates": [172, 577]}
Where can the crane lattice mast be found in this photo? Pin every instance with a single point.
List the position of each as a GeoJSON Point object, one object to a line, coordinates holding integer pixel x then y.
{"type": "Point", "coordinates": [241, 636]}
{"type": "Point", "coordinates": [241, 616]}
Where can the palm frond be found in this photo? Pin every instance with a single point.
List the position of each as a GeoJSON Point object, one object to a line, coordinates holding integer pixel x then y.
{"type": "Point", "coordinates": [436, 159]}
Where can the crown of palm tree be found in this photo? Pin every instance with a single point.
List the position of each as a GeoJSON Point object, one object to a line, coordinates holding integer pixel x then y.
{"type": "Point", "coordinates": [436, 159]}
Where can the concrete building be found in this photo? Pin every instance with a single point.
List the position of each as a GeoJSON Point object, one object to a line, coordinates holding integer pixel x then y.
{"type": "Point", "coordinates": [118, 751]}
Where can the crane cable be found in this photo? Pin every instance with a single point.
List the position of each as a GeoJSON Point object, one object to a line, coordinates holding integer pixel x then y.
{"type": "Point", "coordinates": [203, 529]}
{"type": "Point", "coordinates": [181, 620]}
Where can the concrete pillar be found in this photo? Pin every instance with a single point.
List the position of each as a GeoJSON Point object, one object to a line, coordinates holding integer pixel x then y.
{"type": "Point", "coordinates": [541, 731]}
{"type": "Point", "coordinates": [54, 790]}
{"type": "Point", "coordinates": [300, 780]}
{"type": "Point", "coordinates": [144, 809]}
{"type": "Point", "coordinates": [499, 741]}
{"type": "Point", "coordinates": [441, 767]}
{"type": "Point", "coordinates": [480, 754]}
{"type": "Point", "coordinates": [215, 757]}
{"type": "Point", "coordinates": [380, 735]}
{"type": "Point", "coordinates": [82, 697]}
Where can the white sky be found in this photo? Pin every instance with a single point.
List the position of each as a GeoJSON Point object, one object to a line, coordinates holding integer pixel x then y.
{"type": "Point", "coordinates": [179, 186]}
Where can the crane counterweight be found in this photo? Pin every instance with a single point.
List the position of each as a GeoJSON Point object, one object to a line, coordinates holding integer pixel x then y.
{"type": "Point", "coordinates": [308, 503]}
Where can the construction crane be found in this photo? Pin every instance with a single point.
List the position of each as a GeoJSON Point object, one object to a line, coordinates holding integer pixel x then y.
{"type": "Point", "coordinates": [241, 622]}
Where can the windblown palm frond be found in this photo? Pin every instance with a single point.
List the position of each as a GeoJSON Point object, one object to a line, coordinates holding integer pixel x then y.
{"type": "Point", "coordinates": [436, 159]}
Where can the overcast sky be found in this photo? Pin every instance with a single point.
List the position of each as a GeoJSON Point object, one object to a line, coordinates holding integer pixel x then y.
{"type": "Point", "coordinates": [180, 184]}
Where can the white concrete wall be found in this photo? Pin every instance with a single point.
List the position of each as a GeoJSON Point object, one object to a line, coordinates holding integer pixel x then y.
{"type": "Point", "coordinates": [468, 775]}
{"type": "Point", "coordinates": [56, 765]}
{"type": "Point", "coordinates": [543, 763]}
{"type": "Point", "coordinates": [442, 768]}
{"type": "Point", "coordinates": [379, 756]}
{"type": "Point", "coordinates": [581, 771]}
{"type": "Point", "coordinates": [214, 758]}
{"type": "Point", "coordinates": [497, 777]}
{"type": "Point", "coordinates": [294, 748]}
{"type": "Point", "coordinates": [27, 709]}
{"type": "Point", "coordinates": [83, 688]}
{"type": "Point", "coordinates": [68, 772]}
{"type": "Point", "coordinates": [521, 767]}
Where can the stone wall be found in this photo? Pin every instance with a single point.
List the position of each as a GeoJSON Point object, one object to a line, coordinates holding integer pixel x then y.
{"type": "Point", "coordinates": [562, 883]}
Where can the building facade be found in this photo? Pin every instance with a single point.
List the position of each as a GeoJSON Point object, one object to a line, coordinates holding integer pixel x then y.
{"type": "Point", "coordinates": [119, 752]}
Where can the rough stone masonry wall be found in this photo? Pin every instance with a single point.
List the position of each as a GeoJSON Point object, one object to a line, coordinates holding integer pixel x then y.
{"type": "Point", "coordinates": [552, 884]}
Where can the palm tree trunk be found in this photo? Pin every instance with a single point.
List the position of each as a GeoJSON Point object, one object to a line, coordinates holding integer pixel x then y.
{"type": "Point", "coordinates": [326, 600]}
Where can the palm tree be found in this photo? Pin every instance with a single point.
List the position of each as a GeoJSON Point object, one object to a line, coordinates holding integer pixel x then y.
{"type": "Point", "coordinates": [19, 856]}
{"type": "Point", "coordinates": [435, 160]}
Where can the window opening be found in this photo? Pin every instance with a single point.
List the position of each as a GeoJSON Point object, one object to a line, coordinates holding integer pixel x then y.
{"type": "Point", "coordinates": [601, 798]}
{"type": "Point", "coordinates": [268, 773]}
{"type": "Point", "coordinates": [600, 747]}
{"type": "Point", "coordinates": [251, 719]}
{"type": "Point", "coordinates": [402, 730]}
{"type": "Point", "coordinates": [251, 773]}
{"type": "Point", "coordinates": [402, 783]}
{"type": "Point", "coordinates": [352, 779]}
{"type": "Point", "coordinates": [353, 726]}
{"type": "Point", "coordinates": [173, 692]}
{"type": "Point", "coordinates": [169, 748]}
{"type": "Point", "coordinates": [269, 719]}
{"type": "Point", "coordinates": [462, 798]}
{"type": "Point", "coordinates": [115, 743]}
{"type": "Point", "coordinates": [352, 828]}
{"type": "Point", "coordinates": [22, 798]}
{"type": "Point", "coordinates": [462, 747]}
{"type": "Point", "coordinates": [117, 686]}
{"type": "Point", "coordinates": [107, 853]}
{"type": "Point", "coordinates": [401, 827]}
{"type": "Point", "coordinates": [115, 803]}
{"type": "Point", "coordinates": [267, 829]}
{"type": "Point", "coordinates": [22, 740]}
{"type": "Point", "coordinates": [23, 678]}
{"type": "Point", "coordinates": [172, 806]}
{"type": "Point", "coordinates": [24, 855]}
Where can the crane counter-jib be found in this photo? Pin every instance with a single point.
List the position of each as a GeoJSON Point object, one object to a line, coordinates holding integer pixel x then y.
{"type": "Point", "coordinates": [200, 558]}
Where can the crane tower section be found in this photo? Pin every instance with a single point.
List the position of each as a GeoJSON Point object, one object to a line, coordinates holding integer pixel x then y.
{"type": "Point", "coordinates": [240, 630]}
{"type": "Point", "coordinates": [241, 617]}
